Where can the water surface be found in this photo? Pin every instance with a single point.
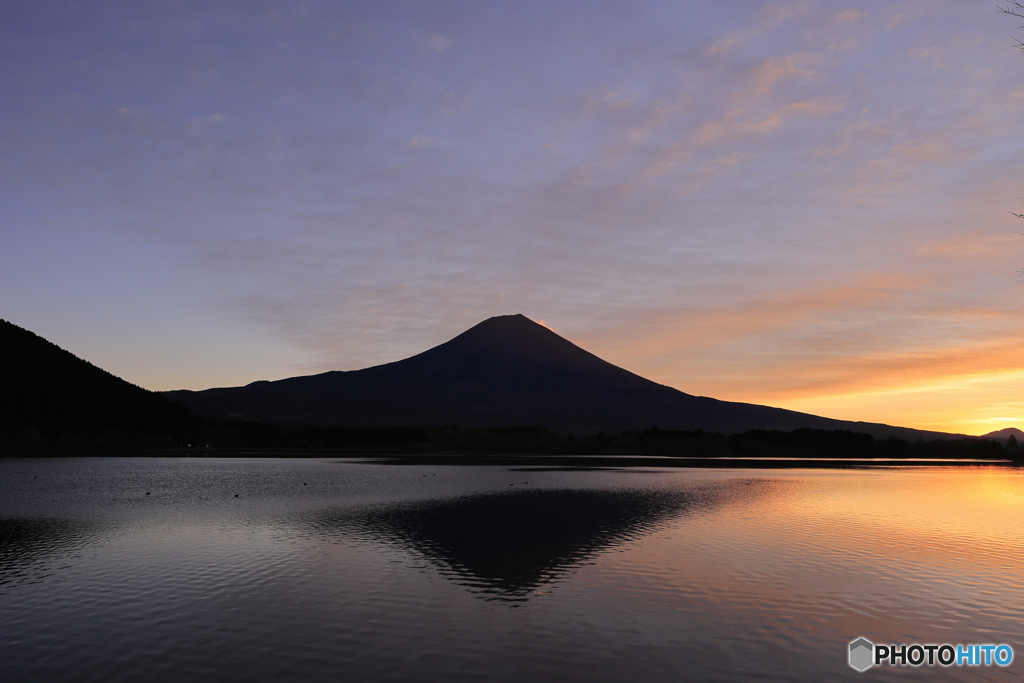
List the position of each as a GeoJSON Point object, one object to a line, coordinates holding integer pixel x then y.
{"type": "Point", "coordinates": [127, 569]}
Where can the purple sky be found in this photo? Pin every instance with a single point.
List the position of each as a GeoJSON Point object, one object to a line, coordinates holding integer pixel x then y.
{"type": "Point", "coordinates": [801, 204]}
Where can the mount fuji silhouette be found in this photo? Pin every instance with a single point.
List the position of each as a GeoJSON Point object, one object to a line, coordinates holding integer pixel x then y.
{"type": "Point", "coordinates": [505, 371]}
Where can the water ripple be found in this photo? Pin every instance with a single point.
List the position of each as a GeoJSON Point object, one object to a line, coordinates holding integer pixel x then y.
{"type": "Point", "coordinates": [336, 570]}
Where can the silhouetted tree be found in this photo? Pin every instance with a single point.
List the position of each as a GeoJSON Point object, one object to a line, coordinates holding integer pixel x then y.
{"type": "Point", "coordinates": [1015, 8]}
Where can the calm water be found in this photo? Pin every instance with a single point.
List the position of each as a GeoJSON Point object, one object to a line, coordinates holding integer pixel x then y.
{"type": "Point", "coordinates": [153, 570]}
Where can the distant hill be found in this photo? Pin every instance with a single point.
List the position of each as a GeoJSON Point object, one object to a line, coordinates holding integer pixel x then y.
{"type": "Point", "coordinates": [48, 396]}
{"type": "Point", "coordinates": [505, 371]}
{"type": "Point", "coordinates": [1003, 435]}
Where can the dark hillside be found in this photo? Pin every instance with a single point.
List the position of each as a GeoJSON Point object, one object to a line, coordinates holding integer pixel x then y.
{"type": "Point", "coordinates": [49, 396]}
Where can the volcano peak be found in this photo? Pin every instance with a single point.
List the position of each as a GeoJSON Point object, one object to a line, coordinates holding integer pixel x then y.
{"type": "Point", "coordinates": [507, 370]}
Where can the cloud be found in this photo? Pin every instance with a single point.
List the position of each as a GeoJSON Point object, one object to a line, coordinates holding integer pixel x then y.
{"type": "Point", "coordinates": [774, 70]}
{"type": "Point", "coordinates": [733, 126]}
{"type": "Point", "coordinates": [613, 101]}
{"type": "Point", "coordinates": [775, 13]}
{"type": "Point", "coordinates": [774, 311]}
{"type": "Point", "coordinates": [769, 17]}
{"type": "Point", "coordinates": [975, 246]}
{"type": "Point", "coordinates": [849, 16]}
{"type": "Point", "coordinates": [904, 370]}
{"type": "Point", "coordinates": [814, 107]}
{"type": "Point", "coordinates": [435, 43]}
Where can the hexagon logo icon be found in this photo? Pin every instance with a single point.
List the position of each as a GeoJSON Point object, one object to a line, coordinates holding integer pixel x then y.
{"type": "Point", "coordinates": [862, 654]}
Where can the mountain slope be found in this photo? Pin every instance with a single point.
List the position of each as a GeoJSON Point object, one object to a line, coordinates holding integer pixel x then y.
{"type": "Point", "coordinates": [1003, 435]}
{"type": "Point", "coordinates": [50, 393]}
{"type": "Point", "coordinates": [505, 371]}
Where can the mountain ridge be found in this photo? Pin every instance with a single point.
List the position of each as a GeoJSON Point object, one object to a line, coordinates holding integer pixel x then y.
{"type": "Point", "coordinates": [1004, 435]}
{"type": "Point", "coordinates": [49, 393]}
{"type": "Point", "coordinates": [505, 371]}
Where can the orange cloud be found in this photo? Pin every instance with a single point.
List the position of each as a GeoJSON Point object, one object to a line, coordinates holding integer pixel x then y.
{"type": "Point", "coordinates": [974, 245]}
{"type": "Point", "coordinates": [895, 371]}
{"type": "Point", "coordinates": [774, 311]}
{"type": "Point", "coordinates": [815, 107]}
{"type": "Point", "coordinates": [855, 350]}
{"type": "Point", "coordinates": [776, 69]}
{"type": "Point", "coordinates": [732, 126]}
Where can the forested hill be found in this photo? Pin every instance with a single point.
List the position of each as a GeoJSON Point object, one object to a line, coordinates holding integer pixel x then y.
{"type": "Point", "coordinates": [49, 396]}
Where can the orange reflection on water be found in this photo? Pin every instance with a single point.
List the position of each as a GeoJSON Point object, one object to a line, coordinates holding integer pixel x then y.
{"type": "Point", "coordinates": [896, 555]}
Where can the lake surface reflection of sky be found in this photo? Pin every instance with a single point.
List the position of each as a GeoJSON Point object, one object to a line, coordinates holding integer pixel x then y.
{"type": "Point", "coordinates": [152, 569]}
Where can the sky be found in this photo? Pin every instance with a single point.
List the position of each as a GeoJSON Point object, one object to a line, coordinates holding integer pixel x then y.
{"type": "Point", "coordinates": [798, 203]}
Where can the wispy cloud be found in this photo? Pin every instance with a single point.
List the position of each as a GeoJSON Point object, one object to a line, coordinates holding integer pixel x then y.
{"type": "Point", "coordinates": [435, 43]}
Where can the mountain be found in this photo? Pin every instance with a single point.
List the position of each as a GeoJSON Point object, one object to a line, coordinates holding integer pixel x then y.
{"type": "Point", "coordinates": [1004, 435]}
{"type": "Point", "coordinates": [47, 395]}
{"type": "Point", "coordinates": [505, 371]}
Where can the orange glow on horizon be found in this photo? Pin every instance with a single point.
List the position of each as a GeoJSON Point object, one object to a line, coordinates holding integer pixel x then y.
{"type": "Point", "coordinates": [845, 351]}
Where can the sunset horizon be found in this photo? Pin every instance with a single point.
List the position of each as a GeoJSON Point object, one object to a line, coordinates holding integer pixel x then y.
{"type": "Point", "coordinates": [793, 204]}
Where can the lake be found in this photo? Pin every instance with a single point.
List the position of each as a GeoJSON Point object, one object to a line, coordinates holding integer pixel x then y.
{"type": "Point", "coordinates": [164, 569]}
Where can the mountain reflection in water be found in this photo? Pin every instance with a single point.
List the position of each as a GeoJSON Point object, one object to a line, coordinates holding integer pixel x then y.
{"type": "Point", "coordinates": [504, 546]}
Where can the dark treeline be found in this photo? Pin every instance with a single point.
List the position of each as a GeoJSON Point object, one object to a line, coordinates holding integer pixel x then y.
{"type": "Point", "coordinates": [216, 437]}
